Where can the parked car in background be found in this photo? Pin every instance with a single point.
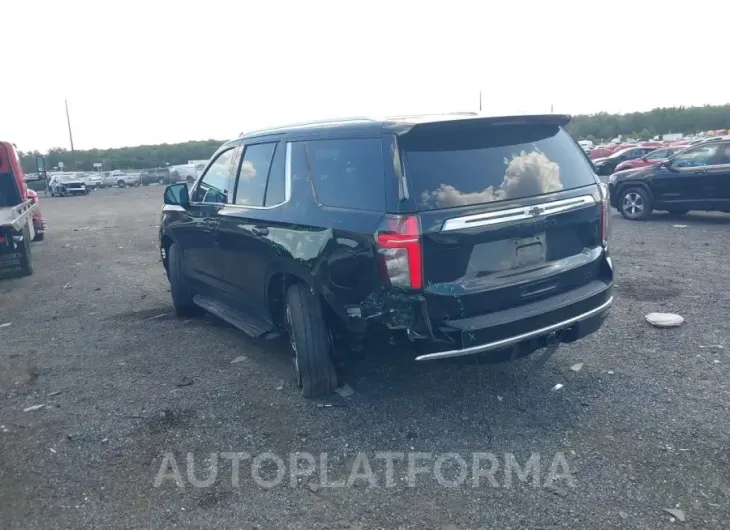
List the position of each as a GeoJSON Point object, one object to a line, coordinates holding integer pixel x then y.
{"type": "Point", "coordinates": [184, 173]}
{"type": "Point", "coordinates": [696, 178]}
{"type": "Point", "coordinates": [607, 165]}
{"type": "Point", "coordinates": [160, 175]}
{"type": "Point", "coordinates": [601, 151]}
{"type": "Point", "coordinates": [93, 181]}
{"type": "Point", "coordinates": [65, 184]}
{"type": "Point", "coordinates": [653, 158]}
{"type": "Point", "coordinates": [460, 235]}
{"type": "Point", "coordinates": [120, 178]}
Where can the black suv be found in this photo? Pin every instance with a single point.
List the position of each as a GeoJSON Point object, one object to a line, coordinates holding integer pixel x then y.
{"type": "Point", "coordinates": [461, 234]}
{"type": "Point", "coordinates": [697, 178]}
{"type": "Point", "coordinates": [160, 175]}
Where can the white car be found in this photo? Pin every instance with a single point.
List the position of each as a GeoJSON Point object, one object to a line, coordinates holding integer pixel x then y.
{"type": "Point", "coordinates": [63, 185]}
{"type": "Point", "coordinates": [120, 178]}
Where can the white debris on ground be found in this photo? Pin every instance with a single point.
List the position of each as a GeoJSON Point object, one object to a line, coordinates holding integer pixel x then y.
{"type": "Point", "coordinates": [676, 514]}
{"type": "Point", "coordinates": [680, 226]}
{"type": "Point", "coordinates": [239, 359]}
{"type": "Point", "coordinates": [345, 390]}
{"type": "Point", "coordinates": [664, 320]}
{"type": "Point", "coordinates": [34, 407]}
{"type": "Point", "coordinates": [558, 386]}
{"type": "Point", "coordinates": [7, 324]}
{"type": "Point", "coordinates": [576, 367]}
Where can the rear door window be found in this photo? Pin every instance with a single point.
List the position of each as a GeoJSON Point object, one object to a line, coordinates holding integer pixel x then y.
{"type": "Point", "coordinates": [344, 173]}
{"type": "Point", "coordinates": [254, 173]}
{"type": "Point", "coordinates": [478, 163]}
{"type": "Point", "coordinates": [276, 186]}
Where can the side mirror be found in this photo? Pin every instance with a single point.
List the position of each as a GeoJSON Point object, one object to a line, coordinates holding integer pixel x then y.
{"type": "Point", "coordinates": [40, 164]}
{"type": "Point", "coordinates": [177, 195]}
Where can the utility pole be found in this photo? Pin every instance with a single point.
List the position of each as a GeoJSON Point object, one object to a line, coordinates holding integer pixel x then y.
{"type": "Point", "coordinates": [70, 136]}
{"type": "Point", "coordinates": [480, 101]}
{"type": "Point", "coordinates": [551, 108]}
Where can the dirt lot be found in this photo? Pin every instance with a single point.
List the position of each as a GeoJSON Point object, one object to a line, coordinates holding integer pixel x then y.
{"type": "Point", "coordinates": [643, 425]}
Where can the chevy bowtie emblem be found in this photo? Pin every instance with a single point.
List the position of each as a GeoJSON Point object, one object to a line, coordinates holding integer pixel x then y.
{"type": "Point", "coordinates": [535, 211]}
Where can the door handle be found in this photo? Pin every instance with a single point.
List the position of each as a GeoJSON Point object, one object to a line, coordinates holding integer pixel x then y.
{"type": "Point", "coordinates": [260, 231]}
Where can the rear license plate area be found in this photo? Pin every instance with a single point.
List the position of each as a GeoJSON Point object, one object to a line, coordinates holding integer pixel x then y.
{"type": "Point", "coordinates": [529, 251]}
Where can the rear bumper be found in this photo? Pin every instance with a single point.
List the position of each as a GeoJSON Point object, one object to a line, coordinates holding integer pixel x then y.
{"type": "Point", "coordinates": [579, 326]}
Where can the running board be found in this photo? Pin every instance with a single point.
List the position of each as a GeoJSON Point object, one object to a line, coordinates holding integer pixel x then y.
{"type": "Point", "coordinates": [251, 326]}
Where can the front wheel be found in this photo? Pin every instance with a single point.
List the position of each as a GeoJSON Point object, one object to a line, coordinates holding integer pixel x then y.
{"type": "Point", "coordinates": [121, 183]}
{"type": "Point", "coordinates": [182, 296]}
{"type": "Point", "coordinates": [310, 342]}
{"type": "Point", "coordinates": [635, 204]}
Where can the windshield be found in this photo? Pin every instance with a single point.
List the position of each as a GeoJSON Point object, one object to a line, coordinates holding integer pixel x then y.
{"type": "Point", "coordinates": [492, 163]}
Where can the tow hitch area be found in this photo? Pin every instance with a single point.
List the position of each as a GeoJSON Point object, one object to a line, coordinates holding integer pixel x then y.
{"type": "Point", "coordinates": [552, 341]}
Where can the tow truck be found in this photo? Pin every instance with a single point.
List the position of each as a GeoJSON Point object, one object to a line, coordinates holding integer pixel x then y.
{"type": "Point", "coordinates": [20, 217]}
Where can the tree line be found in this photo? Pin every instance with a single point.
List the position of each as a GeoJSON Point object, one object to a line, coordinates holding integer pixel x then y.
{"type": "Point", "coordinates": [138, 157]}
{"type": "Point", "coordinates": [646, 125]}
{"type": "Point", "coordinates": [595, 127]}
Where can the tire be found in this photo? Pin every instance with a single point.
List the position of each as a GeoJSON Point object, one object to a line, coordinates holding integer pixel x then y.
{"type": "Point", "coordinates": [39, 236]}
{"type": "Point", "coordinates": [121, 183]}
{"type": "Point", "coordinates": [145, 184]}
{"type": "Point", "coordinates": [310, 342]}
{"type": "Point", "coordinates": [27, 268]}
{"type": "Point", "coordinates": [635, 204]}
{"type": "Point", "coordinates": [182, 297]}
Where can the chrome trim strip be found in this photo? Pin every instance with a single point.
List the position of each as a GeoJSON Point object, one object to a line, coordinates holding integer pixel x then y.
{"type": "Point", "coordinates": [287, 189]}
{"type": "Point", "coordinates": [287, 174]}
{"type": "Point", "coordinates": [173, 208]}
{"type": "Point", "coordinates": [509, 341]}
{"type": "Point", "coordinates": [532, 211]}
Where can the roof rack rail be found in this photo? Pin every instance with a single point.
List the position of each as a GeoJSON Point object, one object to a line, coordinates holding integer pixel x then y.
{"type": "Point", "coordinates": [307, 123]}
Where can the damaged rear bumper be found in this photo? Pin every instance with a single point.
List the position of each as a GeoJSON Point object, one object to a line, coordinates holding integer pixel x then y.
{"type": "Point", "coordinates": [566, 317]}
{"type": "Point", "coordinates": [580, 326]}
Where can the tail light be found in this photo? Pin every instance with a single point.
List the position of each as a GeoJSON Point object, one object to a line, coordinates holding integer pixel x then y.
{"type": "Point", "coordinates": [605, 215]}
{"type": "Point", "coordinates": [399, 251]}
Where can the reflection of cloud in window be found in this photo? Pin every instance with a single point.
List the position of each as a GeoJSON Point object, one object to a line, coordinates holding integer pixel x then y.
{"type": "Point", "coordinates": [248, 171]}
{"type": "Point", "coordinates": [525, 175]}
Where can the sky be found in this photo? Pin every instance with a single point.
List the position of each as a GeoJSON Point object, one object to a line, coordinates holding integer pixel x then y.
{"type": "Point", "coordinates": [145, 72]}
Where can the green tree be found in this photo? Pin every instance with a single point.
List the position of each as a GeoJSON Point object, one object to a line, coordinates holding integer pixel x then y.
{"type": "Point", "coordinates": [138, 157]}
{"type": "Point", "coordinates": [687, 120]}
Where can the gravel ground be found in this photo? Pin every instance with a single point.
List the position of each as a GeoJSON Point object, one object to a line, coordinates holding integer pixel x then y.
{"type": "Point", "coordinates": [643, 425]}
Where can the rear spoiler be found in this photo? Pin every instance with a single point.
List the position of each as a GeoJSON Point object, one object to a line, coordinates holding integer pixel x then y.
{"type": "Point", "coordinates": [406, 125]}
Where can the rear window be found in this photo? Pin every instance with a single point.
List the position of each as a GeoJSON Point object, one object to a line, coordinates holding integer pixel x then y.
{"type": "Point", "coordinates": [344, 173]}
{"type": "Point", "coordinates": [477, 164]}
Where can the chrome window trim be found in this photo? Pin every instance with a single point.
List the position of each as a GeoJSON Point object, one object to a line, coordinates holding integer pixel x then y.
{"type": "Point", "coordinates": [517, 214]}
{"type": "Point", "coordinates": [287, 188]}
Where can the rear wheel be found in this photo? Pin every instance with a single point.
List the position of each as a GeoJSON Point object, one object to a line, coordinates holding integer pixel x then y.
{"type": "Point", "coordinates": [182, 296]}
{"type": "Point", "coordinates": [635, 204]}
{"type": "Point", "coordinates": [121, 183]}
{"type": "Point", "coordinates": [26, 268]}
{"type": "Point", "coordinates": [310, 342]}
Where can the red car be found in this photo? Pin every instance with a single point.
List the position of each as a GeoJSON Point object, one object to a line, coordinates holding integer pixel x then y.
{"type": "Point", "coordinates": [653, 158]}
